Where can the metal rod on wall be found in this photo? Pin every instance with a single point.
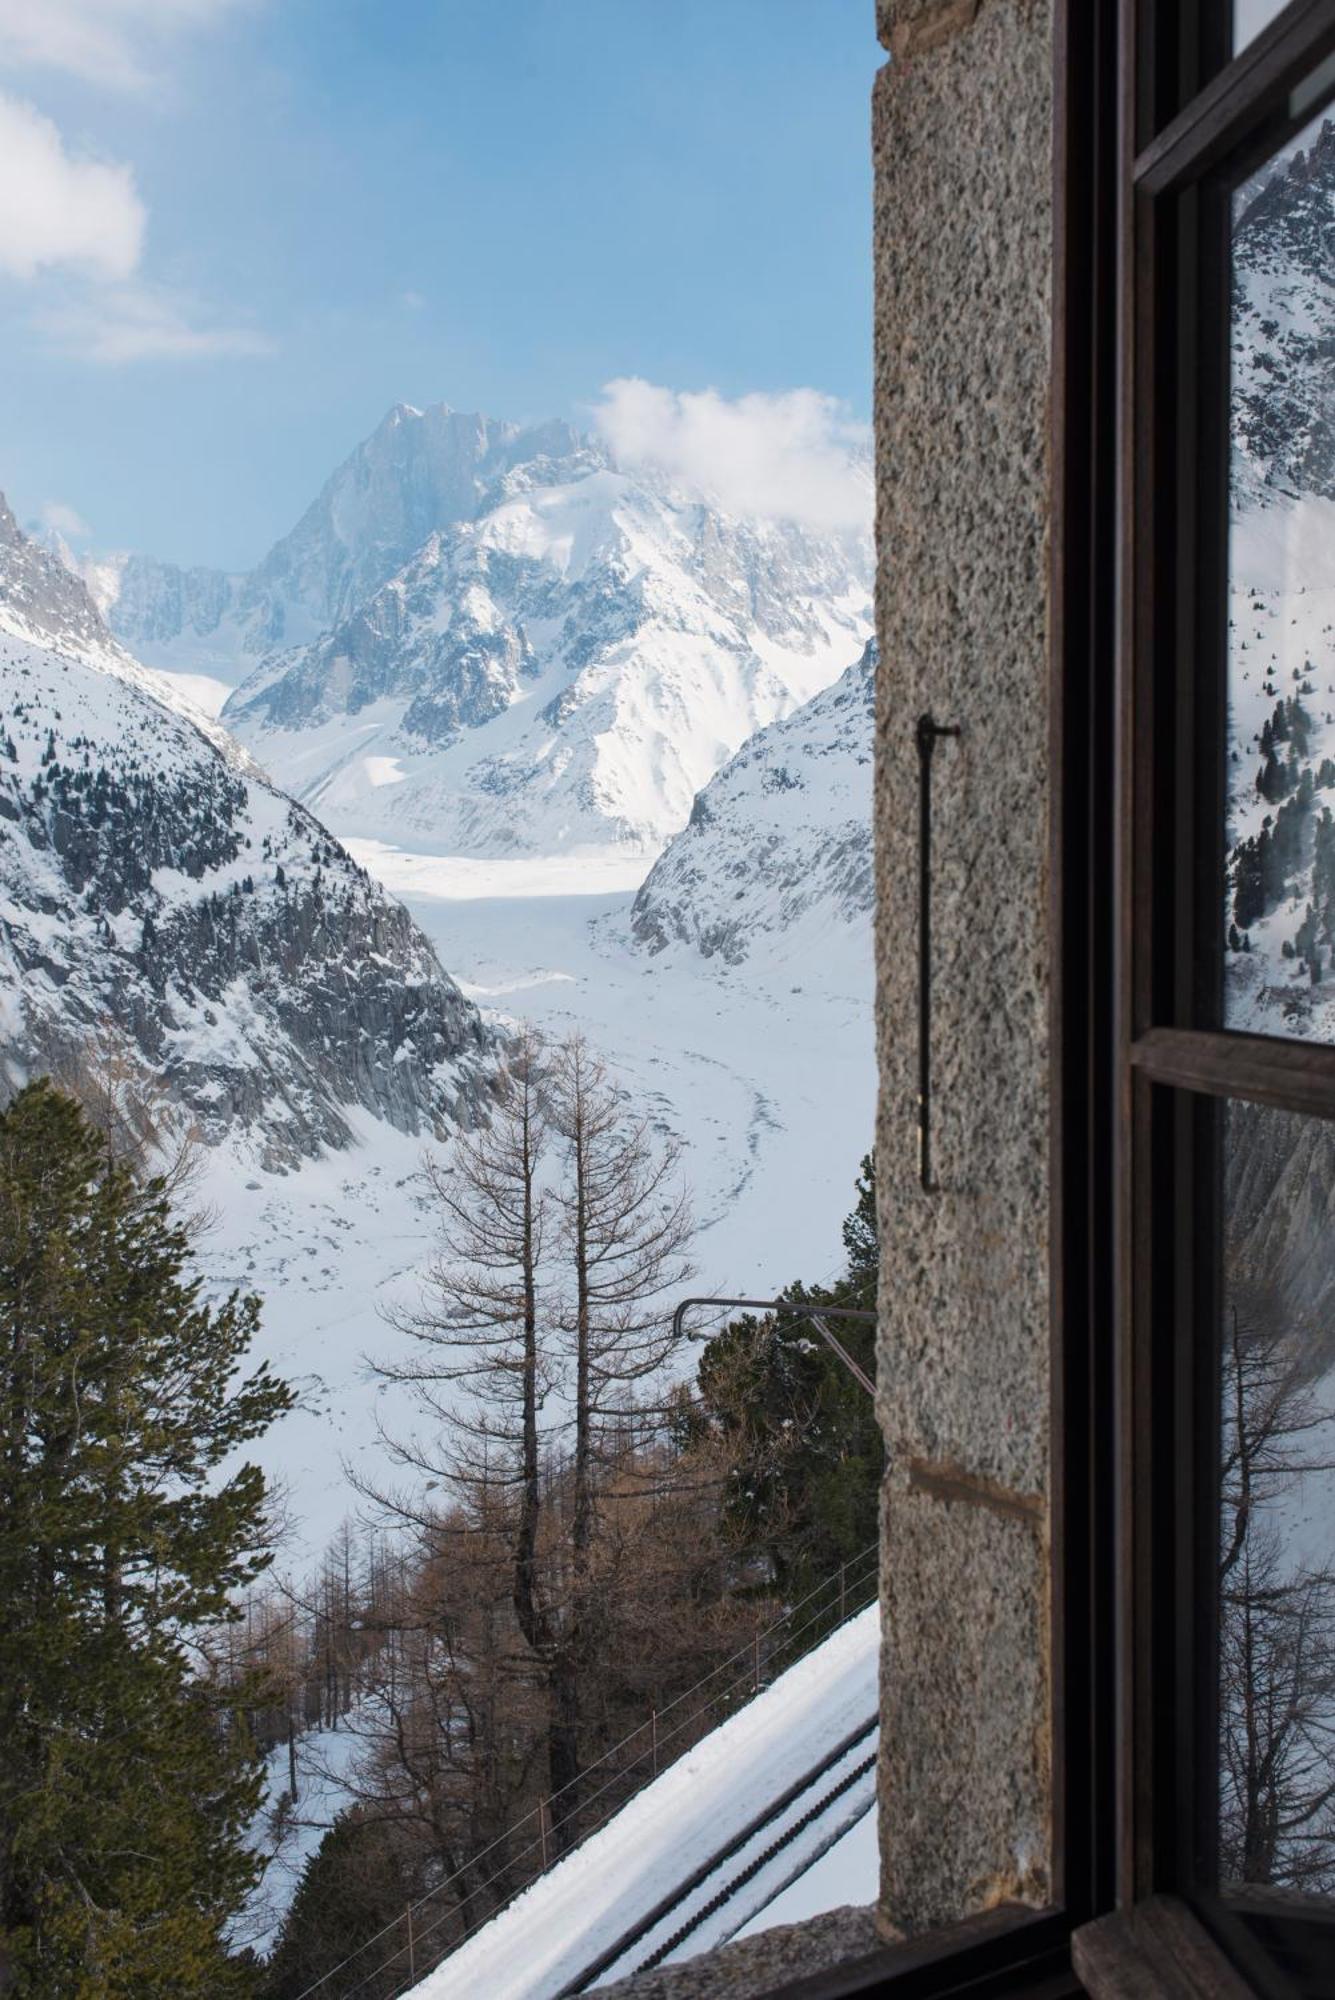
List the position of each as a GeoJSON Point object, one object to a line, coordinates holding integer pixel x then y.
{"type": "Point", "coordinates": [929, 733]}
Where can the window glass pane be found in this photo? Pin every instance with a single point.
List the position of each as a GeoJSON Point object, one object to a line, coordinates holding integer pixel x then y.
{"type": "Point", "coordinates": [1279, 918]}
{"type": "Point", "coordinates": [1250, 16]}
{"type": "Point", "coordinates": [1276, 1549]}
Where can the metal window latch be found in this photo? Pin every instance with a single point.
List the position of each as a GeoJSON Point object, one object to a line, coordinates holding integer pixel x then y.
{"type": "Point", "coordinates": [929, 732]}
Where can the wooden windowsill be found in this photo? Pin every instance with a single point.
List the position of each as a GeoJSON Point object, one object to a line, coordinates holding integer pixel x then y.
{"type": "Point", "coordinates": [1156, 1950]}
{"type": "Point", "coordinates": [953, 1955]}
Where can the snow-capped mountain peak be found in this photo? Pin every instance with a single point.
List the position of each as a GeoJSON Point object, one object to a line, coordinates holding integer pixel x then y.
{"type": "Point", "coordinates": [490, 639]}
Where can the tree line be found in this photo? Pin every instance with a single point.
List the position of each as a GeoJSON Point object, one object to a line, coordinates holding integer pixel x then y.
{"type": "Point", "coordinates": [576, 1565]}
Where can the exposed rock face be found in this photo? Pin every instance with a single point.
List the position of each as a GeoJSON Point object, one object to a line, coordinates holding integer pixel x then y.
{"type": "Point", "coordinates": [155, 603]}
{"type": "Point", "coordinates": [492, 638]}
{"type": "Point", "coordinates": [1279, 895]}
{"type": "Point", "coordinates": [37, 593]}
{"type": "Point", "coordinates": [1279, 1201]}
{"type": "Point", "coordinates": [162, 906]}
{"type": "Point", "coordinates": [778, 845]}
{"type": "Point", "coordinates": [1283, 312]}
{"type": "Point", "coordinates": [419, 471]}
{"type": "Point", "coordinates": [453, 671]}
{"type": "Point", "coordinates": [563, 672]}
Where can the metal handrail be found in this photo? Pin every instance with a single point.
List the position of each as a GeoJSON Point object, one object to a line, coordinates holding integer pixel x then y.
{"type": "Point", "coordinates": [787, 1624]}
{"type": "Point", "coordinates": [815, 1314]}
{"type": "Point", "coordinates": [611, 1810]}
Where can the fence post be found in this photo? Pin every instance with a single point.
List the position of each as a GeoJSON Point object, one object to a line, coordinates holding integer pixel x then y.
{"type": "Point", "coordinates": [653, 1724]}
{"type": "Point", "coordinates": [542, 1831]}
{"type": "Point", "coordinates": [757, 1661]}
{"type": "Point", "coordinates": [842, 1611]}
{"type": "Point", "coordinates": [412, 1956]}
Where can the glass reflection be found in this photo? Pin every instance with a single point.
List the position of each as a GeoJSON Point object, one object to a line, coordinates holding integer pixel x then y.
{"type": "Point", "coordinates": [1279, 916]}
{"type": "Point", "coordinates": [1277, 1517]}
{"type": "Point", "coordinates": [1250, 16]}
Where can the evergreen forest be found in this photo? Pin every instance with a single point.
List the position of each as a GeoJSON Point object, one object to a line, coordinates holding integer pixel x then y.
{"type": "Point", "coordinates": [600, 1537]}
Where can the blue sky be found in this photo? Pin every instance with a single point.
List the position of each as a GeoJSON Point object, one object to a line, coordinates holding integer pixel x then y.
{"type": "Point", "coordinates": [244, 228]}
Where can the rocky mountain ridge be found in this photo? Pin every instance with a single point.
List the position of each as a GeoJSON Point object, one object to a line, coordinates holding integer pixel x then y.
{"type": "Point", "coordinates": [1283, 311]}
{"type": "Point", "coordinates": [166, 914]}
{"type": "Point", "coordinates": [1279, 902]}
{"type": "Point", "coordinates": [778, 848]}
{"type": "Point", "coordinates": [420, 470]}
{"type": "Point", "coordinates": [491, 640]}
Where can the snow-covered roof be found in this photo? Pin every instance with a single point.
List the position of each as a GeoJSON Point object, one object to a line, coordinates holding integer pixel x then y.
{"type": "Point", "coordinates": [698, 1854]}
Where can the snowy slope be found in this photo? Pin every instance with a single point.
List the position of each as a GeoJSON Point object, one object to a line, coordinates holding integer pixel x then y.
{"type": "Point", "coordinates": [1280, 889]}
{"type": "Point", "coordinates": [1283, 308]}
{"type": "Point", "coordinates": [562, 674]}
{"type": "Point", "coordinates": [164, 911]}
{"type": "Point", "coordinates": [290, 1826]}
{"type": "Point", "coordinates": [418, 471]}
{"type": "Point", "coordinates": [778, 846]}
{"type": "Point", "coordinates": [680, 1824]}
{"type": "Point", "coordinates": [490, 641]}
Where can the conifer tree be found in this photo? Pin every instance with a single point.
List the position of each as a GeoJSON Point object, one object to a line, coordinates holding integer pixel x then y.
{"type": "Point", "coordinates": [861, 1232]}
{"type": "Point", "coordinates": [801, 1432]}
{"type": "Point", "coordinates": [125, 1785]}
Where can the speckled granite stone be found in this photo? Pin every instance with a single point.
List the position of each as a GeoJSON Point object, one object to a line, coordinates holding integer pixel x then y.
{"type": "Point", "coordinates": [755, 1966]}
{"type": "Point", "coordinates": [963, 143]}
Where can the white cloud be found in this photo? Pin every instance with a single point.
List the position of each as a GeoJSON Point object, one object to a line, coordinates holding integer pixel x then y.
{"type": "Point", "coordinates": [56, 209]}
{"type": "Point", "coordinates": [64, 216]}
{"type": "Point", "coordinates": [103, 41]}
{"type": "Point", "coordinates": [64, 520]}
{"type": "Point", "coordinates": [123, 323]}
{"type": "Point", "coordinates": [793, 456]}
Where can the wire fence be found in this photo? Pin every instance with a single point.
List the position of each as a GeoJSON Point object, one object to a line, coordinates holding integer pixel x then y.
{"type": "Point", "coordinates": [412, 1944]}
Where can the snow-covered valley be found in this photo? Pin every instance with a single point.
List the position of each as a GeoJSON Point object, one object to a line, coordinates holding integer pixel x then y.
{"type": "Point", "coordinates": [503, 679]}
{"type": "Point", "coordinates": [606, 769]}
{"type": "Point", "coordinates": [765, 1073]}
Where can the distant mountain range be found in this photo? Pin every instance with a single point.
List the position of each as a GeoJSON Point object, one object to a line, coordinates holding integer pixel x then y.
{"type": "Point", "coordinates": [489, 640]}
{"type": "Point", "coordinates": [167, 916]}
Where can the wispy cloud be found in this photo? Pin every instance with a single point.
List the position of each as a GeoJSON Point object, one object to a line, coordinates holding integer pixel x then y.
{"type": "Point", "coordinates": [116, 324]}
{"type": "Point", "coordinates": [61, 519]}
{"type": "Point", "coordinates": [59, 210]}
{"type": "Point", "coordinates": [73, 227]}
{"type": "Point", "coordinates": [108, 42]}
{"type": "Point", "coordinates": [795, 456]}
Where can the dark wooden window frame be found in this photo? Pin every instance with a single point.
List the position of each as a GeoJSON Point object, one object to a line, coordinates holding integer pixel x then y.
{"type": "Point", "coordinates": [1192, 124]}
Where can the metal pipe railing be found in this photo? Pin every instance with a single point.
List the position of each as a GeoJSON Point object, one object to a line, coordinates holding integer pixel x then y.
{"type": "Point", "coordinates": [816, 1314]}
